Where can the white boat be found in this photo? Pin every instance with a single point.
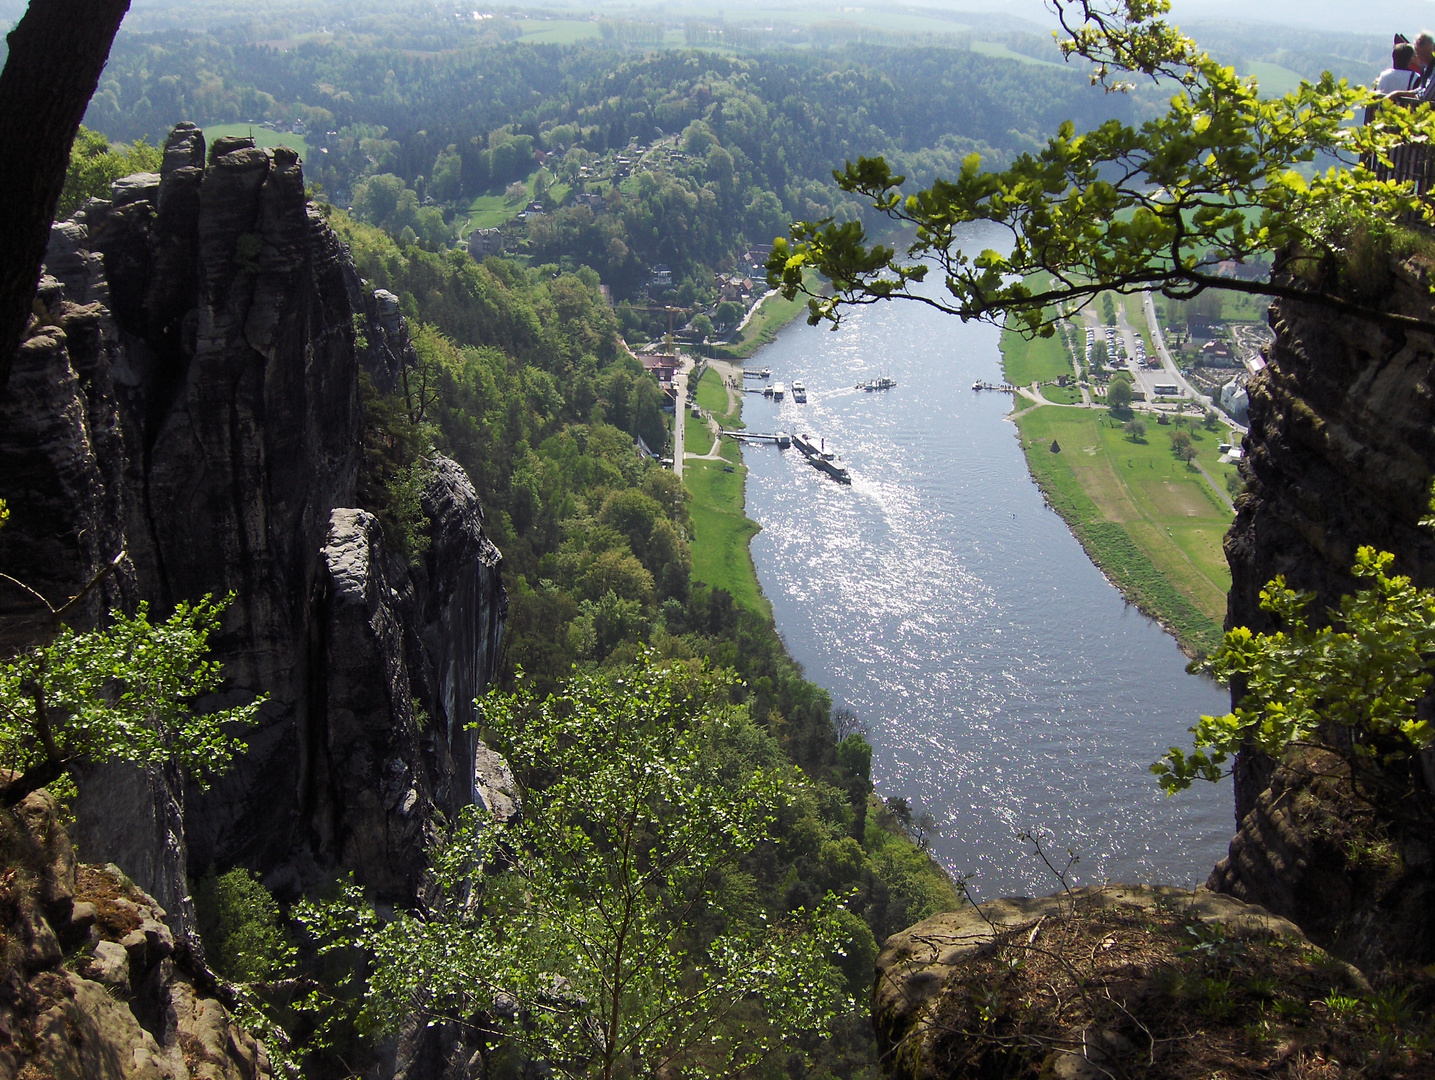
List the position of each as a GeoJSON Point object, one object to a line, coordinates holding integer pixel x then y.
{"type": "Point", "coordinates": [799, 393]}
{"type": "Point", "coordinates": [778, 391]}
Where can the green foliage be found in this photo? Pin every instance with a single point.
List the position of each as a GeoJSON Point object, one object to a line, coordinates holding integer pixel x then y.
{"type": "Point", "coordinates": [385, 200]}
{"type": "Point", "coordinates": [239, 925]}
{"type": "Point", "coordinates": [604, 936]}
{"type": "Point", "coordinates": [1362, 676]}
{"type": "Point", "coordinates": [1118, 395]}
{"type": "Point", "coordinates": [394, 471]}
{"type": "Point", "coordinates": [123, 693]}
{"type": "Point", "coordinates": [1130, 208]}
{"type": "Point", "coordinates": [470, 112]}
{"type": "Point", "coordinates": [95, 164]}
{"type": "Point", "coordinates": [532, 396]}
{"type": "Point", "coordinates": [1108, 309]}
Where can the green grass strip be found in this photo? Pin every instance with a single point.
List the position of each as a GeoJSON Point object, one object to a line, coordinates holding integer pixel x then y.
{"type": "Point", "coordinates": [1111, 548]}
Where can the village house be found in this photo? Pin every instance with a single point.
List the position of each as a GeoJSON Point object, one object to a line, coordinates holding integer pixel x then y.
{"type": "Point", "coordinates": [485, 242]}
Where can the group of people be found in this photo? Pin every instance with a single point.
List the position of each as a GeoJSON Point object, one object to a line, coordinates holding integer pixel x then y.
{"type": "Point", "coordinates": [1409, 76]}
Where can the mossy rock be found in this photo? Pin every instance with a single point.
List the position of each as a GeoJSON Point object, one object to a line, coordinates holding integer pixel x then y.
{"type": "Point", "coordinates": [1133, 981]}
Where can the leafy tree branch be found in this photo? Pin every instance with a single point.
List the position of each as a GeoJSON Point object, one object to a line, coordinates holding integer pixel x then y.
{"type": "Point", "coordinates": [124, 693]}
{"type": "Point", "coordinates": [1353, 687]}
{"type": "Point", "coordinates": [1224, 174]}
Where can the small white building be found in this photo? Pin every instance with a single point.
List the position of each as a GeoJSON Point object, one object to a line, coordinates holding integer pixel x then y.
{"type": "Point", "coordinates": [1236, 401]}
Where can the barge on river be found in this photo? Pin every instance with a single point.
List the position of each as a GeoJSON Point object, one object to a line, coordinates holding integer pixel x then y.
{"type": "Point", "coordinates": [821, 458]}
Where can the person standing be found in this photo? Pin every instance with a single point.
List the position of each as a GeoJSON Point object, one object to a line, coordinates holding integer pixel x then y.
{"type": "Point", "coordinates": [1401, 74]}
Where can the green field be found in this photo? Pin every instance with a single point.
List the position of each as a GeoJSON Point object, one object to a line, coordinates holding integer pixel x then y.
{"type": "Point", "coordinates": [892, 20]}
{"type": "Point", "coordinates": [491, 211]}
{"type": "Point", "coordinates": [1275, 80]}
{"type": "Point", "coordinates": [557, 31]}
{"type": "Point", "coordinates": [1038, 360]}
{"type": "Point", "coordinates": [1001, 52]}
{"type": "Point", "coordinates": [697, 436]}
{"type": "Point", "coordinates": [262, 136]}
{"type": "Point", "coordinates": [712, 395]}
{"type": "Point", "coordinates": [721, 531]}
{"type": "Point", "coordinates": [1152, 524]}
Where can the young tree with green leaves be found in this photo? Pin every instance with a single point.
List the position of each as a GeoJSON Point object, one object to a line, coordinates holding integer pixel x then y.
{"type": "Point", "coordinates": [1353, 687]}
{"type": "Point", "coordinates": [96, 163]}
{"type": "Point", "coordinates": [602, 931]}
{"type": "Point", "coordinates": [122, 693]}
{"type": "Point", "coordinates": [1225, 173]}
{"type": "Point", "coordinates": [1118, 395]}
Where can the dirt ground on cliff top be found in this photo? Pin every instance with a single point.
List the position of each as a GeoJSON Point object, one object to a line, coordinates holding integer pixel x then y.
{"type": "Point", "coordinates": [1122, 993]}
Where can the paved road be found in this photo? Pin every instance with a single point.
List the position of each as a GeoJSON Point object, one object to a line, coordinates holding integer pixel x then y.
{"type": "Point", "coordinates": [680, 414]}
{"type": "Point", "coordinates": [1158, 342]}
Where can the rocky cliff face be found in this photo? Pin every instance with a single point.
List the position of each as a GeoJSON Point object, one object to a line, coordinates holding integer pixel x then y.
{"type": "Point", "coordinates": [1341, 453]}
{"type": "Point", "coordinates": [95, 986]}
{"type": "Point", "coordinates": [189, 394]}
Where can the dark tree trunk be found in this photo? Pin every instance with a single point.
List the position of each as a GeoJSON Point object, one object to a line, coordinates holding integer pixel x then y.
{"type": "Point", "coordinates": [57, 52]}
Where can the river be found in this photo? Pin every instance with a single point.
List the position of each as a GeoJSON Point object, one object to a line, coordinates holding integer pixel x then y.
{"type": "Point", "coordinates": [1005, 685]}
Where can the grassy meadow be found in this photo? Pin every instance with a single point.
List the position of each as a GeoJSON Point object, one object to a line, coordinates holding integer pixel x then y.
{"type": "Point", "coordinates": [1152, 524]}
{"type": "Point", "coordinates": [697, 436]}
{"type": "Point", "coordinates": [713, 396]}
{"type": "Point", "coordinates": [721, 530]}
{"type": "Point", "coordinates": [492, 210]}
{"type": "Point", "coordinates": [1038, 360]}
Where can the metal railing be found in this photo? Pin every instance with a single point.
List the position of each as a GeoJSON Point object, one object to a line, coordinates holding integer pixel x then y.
{"type": "Point", "coordinates": [1412, 163]}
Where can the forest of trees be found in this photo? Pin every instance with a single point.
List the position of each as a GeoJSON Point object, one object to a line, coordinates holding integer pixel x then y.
{"type": "Point", "coordinates": [409, 137]}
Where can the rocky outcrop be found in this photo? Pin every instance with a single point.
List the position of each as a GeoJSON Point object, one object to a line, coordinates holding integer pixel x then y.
{"type": "Point", "coordinates": [93, 985]}
{"type": "Point", "coordinates": [1108, 981]}
{"type": "Point", "coordinates": [190, 394]}
{"type": "Point", "coordinates": [1341, 452]}
{"type": "Point", "coordinates": [388, 350]}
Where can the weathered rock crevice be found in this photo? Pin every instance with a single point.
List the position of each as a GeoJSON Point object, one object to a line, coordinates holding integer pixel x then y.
{"type": "Point", "coordinates": [189, 393]}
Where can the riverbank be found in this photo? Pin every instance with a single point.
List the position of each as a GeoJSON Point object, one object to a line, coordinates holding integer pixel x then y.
{"type": "Point", "coordinates": [893, 846]}
{"type": "Point", "coordinates": [761, 327]}
{"type": "Point", "coordinates": [1151, 523]}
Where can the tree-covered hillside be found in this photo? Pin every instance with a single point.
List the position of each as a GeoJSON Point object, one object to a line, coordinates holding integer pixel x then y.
{"type": "Point", "coordinates": [680, 157]}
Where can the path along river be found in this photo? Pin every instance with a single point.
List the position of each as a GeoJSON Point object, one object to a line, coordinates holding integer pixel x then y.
{"type": "Point", "coordinates": [1005, 684]}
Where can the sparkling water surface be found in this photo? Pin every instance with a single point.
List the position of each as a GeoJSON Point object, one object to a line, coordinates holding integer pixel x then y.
{"type": "Point", "coordinates": [1005, 685]}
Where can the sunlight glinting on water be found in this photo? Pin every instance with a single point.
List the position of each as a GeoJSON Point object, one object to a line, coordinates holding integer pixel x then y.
{"type": "Point", "coordinates": [1005, 684]}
